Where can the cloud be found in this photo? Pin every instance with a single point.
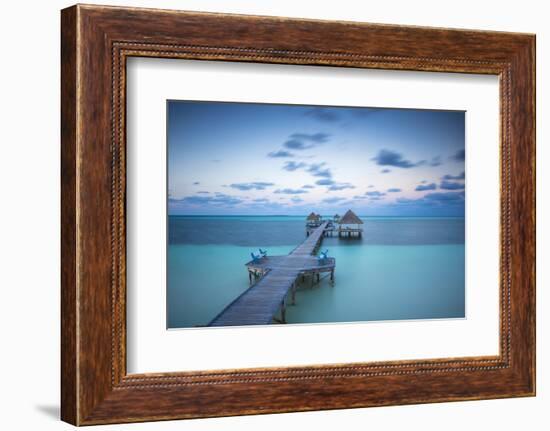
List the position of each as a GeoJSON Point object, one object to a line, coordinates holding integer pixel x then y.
{"type": "Point", "coordinates": [323, 114]}
{"type": "Point", "coordinates": [318, 170]}
{"type": "Point", "coordinates": [424, 187]}
{"type": "Point", "coordinates": [324, 182]}
{"type": "Point", "coordinates": [375, 194]}
{"type": "Point", "coordinates": [460, 176]}
{"type": "Point", "coordinates": [196, 183]}
{"type": "Point", "coordinates": [436, 161]}
{"type": "Point", "coordinates": [385, 171]}
{"type": "Point", "coordinates": [341, 186]}
{"type": "Point", "coordinates": [371, 186]}
{"type": "Point", "coordinates": [304, 141]}
{"type": "Point", "coordinates": [450, 185]}
{"type": "Point", "coordinates": [365, 112]}
{"type": "Point", "coordinates": [308, 186]}
{"type": "Point", "coordinates": [445, 197]}
{"type": "Point", "coordinates": [258, 185]}
{"type": "Point", "coordinates": [291, 191]}
{"type": "Point", "coordinates": [432, 204]}
{"type": "Point", "coordinates": [394, 190]}
{"type": "Point", "coordinates": [392, 158]}
{"type": "Point", "coordinates": [291, 166]}
{"type": "Point", "coordinates": [459, 156]}
{"type": "Point", "coordinates": [280, 153]}
{"type": "Point", "coordinates": [296, 200]}
{"type": "Point", "coordinates": [437, 198]}
{"type": "Point", "coordinates": [204, 193]}
{"type": "Point", "coordinates": [333, 200]}
{"type": "Point", "coordinates": [218, 199]}
{"type": "Point", "coordinates": [260, 200]}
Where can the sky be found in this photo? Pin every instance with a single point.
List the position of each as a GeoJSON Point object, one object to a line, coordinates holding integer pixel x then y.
{"type": "Point", "coordinates": [267, 159]}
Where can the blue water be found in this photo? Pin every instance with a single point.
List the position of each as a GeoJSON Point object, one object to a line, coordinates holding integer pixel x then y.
{"type": "Point", "coordinates": [402, 268]}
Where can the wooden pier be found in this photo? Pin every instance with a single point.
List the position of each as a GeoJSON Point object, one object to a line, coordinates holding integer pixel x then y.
{"type": "Point", "coordinates": [276, 281]}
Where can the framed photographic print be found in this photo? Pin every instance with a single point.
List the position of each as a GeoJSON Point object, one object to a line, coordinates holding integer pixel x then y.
{"type": "Point", "coordinates": [269, 215]}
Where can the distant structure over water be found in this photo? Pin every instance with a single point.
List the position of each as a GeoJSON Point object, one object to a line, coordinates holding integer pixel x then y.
{"type": "Point", "coordinates": [347, 226]}
{"type": "Point", "coordinates": [350, 225]}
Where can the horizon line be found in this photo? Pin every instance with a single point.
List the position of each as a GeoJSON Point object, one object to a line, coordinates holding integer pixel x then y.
{"type": "Point", "coordinates": [305, 215]}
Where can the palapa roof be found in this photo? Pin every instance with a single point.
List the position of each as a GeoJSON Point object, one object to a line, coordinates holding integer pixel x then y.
{"type": "Point", "coordinates": [312, 216]}
{"type": "Point", "coordinates": [350, 218]}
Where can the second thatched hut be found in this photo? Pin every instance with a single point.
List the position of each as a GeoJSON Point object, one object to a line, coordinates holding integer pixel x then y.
{"type": "Point", "coordinates": [350, 225]}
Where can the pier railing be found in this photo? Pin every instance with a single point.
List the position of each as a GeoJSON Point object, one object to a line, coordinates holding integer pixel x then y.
{"type": "Point", "coordinates": [275, 278]}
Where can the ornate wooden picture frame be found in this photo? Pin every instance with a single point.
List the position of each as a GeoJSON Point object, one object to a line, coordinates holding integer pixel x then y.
{"type": "Point", "coordinates": [96, 41]}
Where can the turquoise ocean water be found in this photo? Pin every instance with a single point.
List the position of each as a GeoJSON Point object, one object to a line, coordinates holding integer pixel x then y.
{"type": "Point", "coordinates": [402, 268]}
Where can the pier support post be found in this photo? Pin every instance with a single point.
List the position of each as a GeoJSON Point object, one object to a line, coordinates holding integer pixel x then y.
{"type": "Point", "coordinates": [283, 312]}
{"type": "Point", "coordinates": [250, 277]}
{"type": "Point", "coordinates": [332, 277]}
{"type": "Point", "coordinates": [293, 290]}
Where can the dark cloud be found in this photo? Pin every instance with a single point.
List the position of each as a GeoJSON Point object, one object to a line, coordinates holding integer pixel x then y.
{"type": "Point", "coordinates": [375, 194]}
{"type": "Point", "coordinates": [436, 161]}
{"type": "Point", "coordinates": [303, 141]}
{"type": "Point", "coordinates": [204, 193]}
{"type": "Point", "coordinates": [196, 183]}
{"type": "Point", "coordinates": [325, 115]}
{"type": "Point", "coordinates": [308, 186]}
{"type": "Point", "coordinates": [459, 156]}
{"type": "Point", "coordinates": [424, 187]}
{"type": "Point", "coordinates": [260, 200]}
{"type": "Point", "coordinates": [460, 176]}
{"type": "Point", "coordinates": [291, 166]}
{"type": "Point", "coordinates": [258, 185]}
{"type": "Point", "coordinates": [319, 170]}
{"type": "Point", "coordinates": [451, 185]}
{"type": "Point", "coordinates": [394, 190]}
{"type": "Point", "coordinates": [324, 182]}
{"type": "Point", "coordinates": [385, 171]}
{"type": "Point", "coordinates": [291, 191]}
{"type": "Point", "coordinates": [392, 158]}
{"type": "Point", "coordinates": [280, 153]}
{"type": "Point", "coordinates": [340, 186]}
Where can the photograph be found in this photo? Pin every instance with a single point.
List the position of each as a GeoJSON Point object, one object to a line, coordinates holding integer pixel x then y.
{"type": "Point", "coordinates": [301, 214]}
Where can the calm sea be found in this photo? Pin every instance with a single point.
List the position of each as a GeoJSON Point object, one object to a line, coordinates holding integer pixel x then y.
{"type": "Point", "coordinates": [402, 268]}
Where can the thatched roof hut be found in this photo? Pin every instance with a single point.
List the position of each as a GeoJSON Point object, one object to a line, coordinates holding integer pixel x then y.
{"type": "Point", "coordinates": [313, 217]}
{"type": "Point", "coordinates": [350, 218]}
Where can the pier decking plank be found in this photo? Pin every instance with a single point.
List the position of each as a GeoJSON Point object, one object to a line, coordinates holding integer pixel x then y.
{"type": "Point", "coordinates": [259, 304]}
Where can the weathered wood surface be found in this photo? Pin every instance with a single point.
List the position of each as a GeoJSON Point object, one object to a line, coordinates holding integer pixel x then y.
{"type": "Point", "coordinates": [259, 304]}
